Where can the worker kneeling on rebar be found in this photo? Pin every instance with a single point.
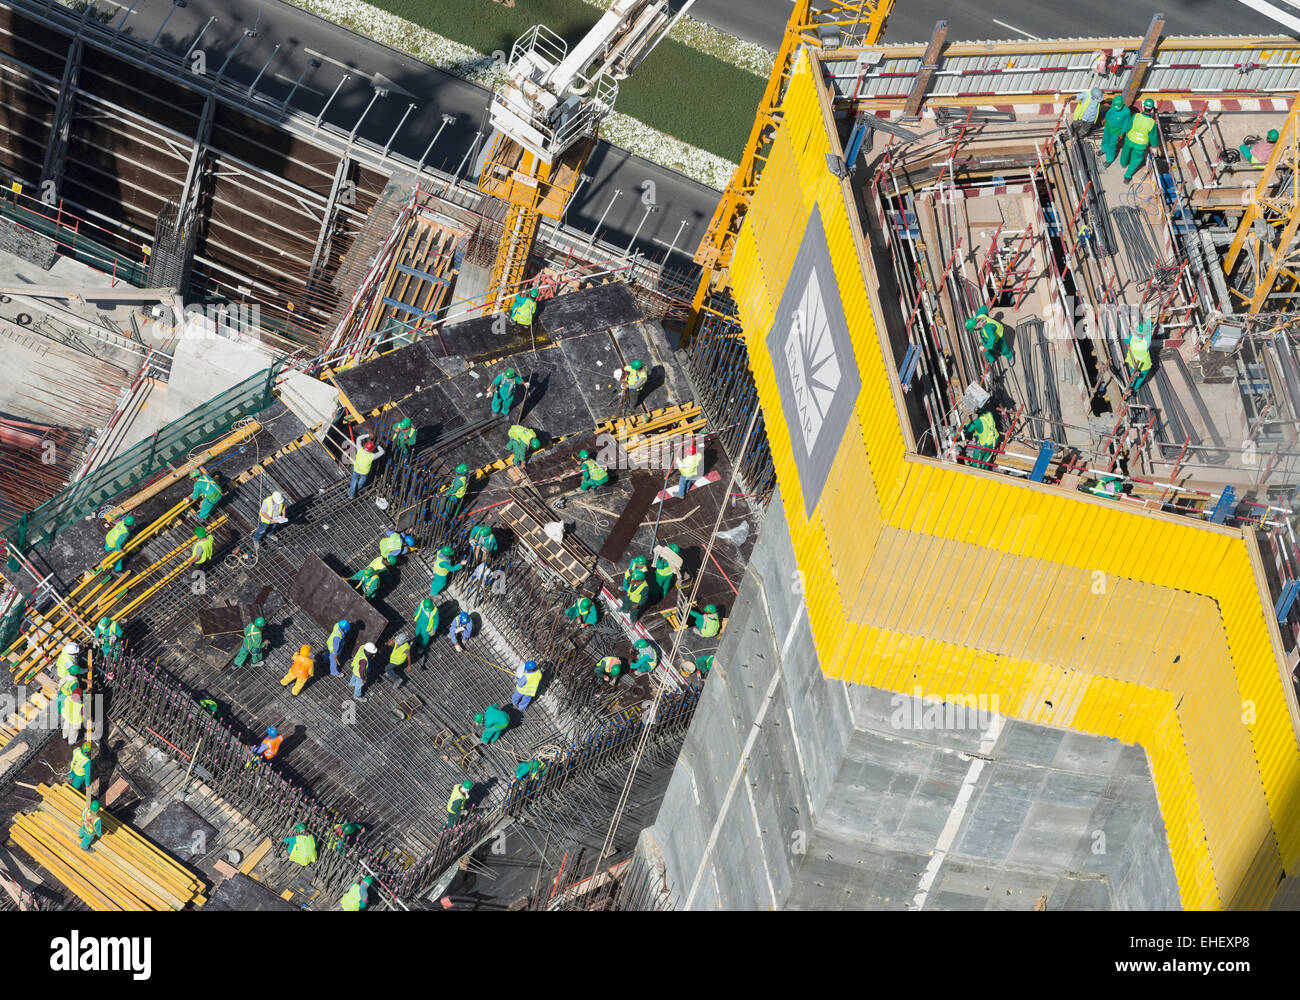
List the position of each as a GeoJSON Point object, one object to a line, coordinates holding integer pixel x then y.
{"type": "Point", "coordinates": [1138, 358]}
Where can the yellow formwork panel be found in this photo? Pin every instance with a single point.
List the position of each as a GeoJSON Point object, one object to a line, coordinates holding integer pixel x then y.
{"type": "Point", "coordinates": [1071, 610]}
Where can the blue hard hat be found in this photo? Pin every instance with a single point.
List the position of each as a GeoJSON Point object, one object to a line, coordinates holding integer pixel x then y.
{"type": "Point", "coordinates": [270, 731]}
{"type": "Point", "coordinates": [344, 624]}
{"type": "Point", "coordinates": [463, 616]}
{"type": "Point", "coordinates": [530, 665]}
{"type": "Point", "coordinates": [410, 540]}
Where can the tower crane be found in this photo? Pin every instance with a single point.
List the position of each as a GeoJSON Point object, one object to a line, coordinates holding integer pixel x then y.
{"type": "Point", "coordinates": [544, 120]}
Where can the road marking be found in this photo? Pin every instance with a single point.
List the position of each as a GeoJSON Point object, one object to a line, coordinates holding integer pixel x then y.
{"type": "Point", "coordinates": [1012, 27]}
{"type": "Point", "coordinates": [1276, 13]}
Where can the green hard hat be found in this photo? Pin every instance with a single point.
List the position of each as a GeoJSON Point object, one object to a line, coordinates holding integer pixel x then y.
{"type": "Point", "coordinates": [675, 549]}
{"type": "Point", "coordinates": [641, 643]}
{"type": "Point", "coordinates": [970, 325]}
{"type": "Point", "coordinates": [584, 605]}
{"type": "Point", "coordinates": [194, 473]}
{"type": "Point", "coordinates": [510, 373]}
{"type": "Point", "coordinates": [447, 550]}
{"type": "Point", "coordinates": [200, 532]}
{"type": "Point", "coordinates": [636, 366]}
{"type": "Point", "coordinates": [584, 454]}
{"type": "Point", "coordinates": [710, 609]}
{"type": "Point", "coordinates": [1148, 105]}
{"type": "Point", "coordinates": [105, 622]}
{"type": "Point", "coordinates": [259, 621]}
{"type": "Point", "coordinates": [404, 423]}
{"type": "Point", "coordinates": [638, 560]}
{"type": "Point", "coordinates": [369, 880]}
{"type": "Point", "coordinates": [300, 828]}
{"type": "Point", "coordinates": [128, 520]}
{"type": "Point", "coordinates": [94, 805]}
{"type": "Point", "coordinates": [478, 718]}
{"type": "Point", "coordinates": [467, 785]}
{"type": "Point", "coordinates": [1272, 135]}
{"type": "Point", "coordinates": [1117, 102]}
{"type": "Point", "coordinates": [462, 469]}
{"type": "Point", "coordinates": [85, 747]}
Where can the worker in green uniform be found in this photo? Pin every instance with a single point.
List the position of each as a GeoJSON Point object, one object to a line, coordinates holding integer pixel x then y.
{"type": "Point", "coordinates": [992, 334]}
{"type": "Point", "coordinates": [608, 669]}
{"type": "Point", "coordinates": [1118, 120]}
{"type": "Point", "coordinates": [109, 639]}
{"type": "Point", "coordinates": [524, 308]}
{"type": "Point", "coordinates": [206, 491]}
{"type": "Point", "coordinates": [66, 659]}
{"type": "Point", "coordinates": [92, 825]}
{"type": "Point", "coordinates": [704, 664]}
{"type": "Point", "coordinates": [442, 570]}
{"type": "Point", "coordinates": [79, 769]}
{"type": "Point", "coordinates": [530, 769]}
{"type": "Point", "coordinates": [482, 543]}
{"type": "Point", "coordinates": [647, 657]}
{"type": "Point", "coordinates": [1138, 358]}
{"type": "Point", "coordinates": [301, 845]}
{"type": "Point", "coordinates": [636, 598]}
{"type": "Point", "coordinates": [708, 623]}
{"type": "Point", "coordinates": [456, 489]}
{"type": "Point", "coordinates": [632, 379]}
{"type": "Point", "coordinates": [636, 568]}
{"type": "Point", "coordinates": [593, 473]}
{"type": "Point", "coordinates": [202, 551]}
{"type": "Point", "coordinates": [456, 804]}
{"type": "Point", "coordinates": [404, 435]}
{"type": "Point", "coordinates": [664, 574]}
{"type": "Point", "coordinates": [522, 441]}
{"type": "Point", "coordinates": [116, 538]}
{"type": "Point", "coordinates": [253, 643]}
{"type": "Point", "coordinates": [358, 895]}
{"type": "Point", "coordinates": [1137, 142]}
{"type": "Point", "coordinates": [394, 544]}
{"type": "Point", "coordinates": [367, 579]}
{"type": "Point", "coordinates": [504, 387]}
{"type": "Point", "coordinates": [1257, 153]}
{"type": "Point", "coordinates": [584, 610]}
{"type": "Point", "coordinates": [494, 722]}
{"type": "Point", "coordinates": [426, 621]}
{"type": "Point", "coordinates": [985, 430]}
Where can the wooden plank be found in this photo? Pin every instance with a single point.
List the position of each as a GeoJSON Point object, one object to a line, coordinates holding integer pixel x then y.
{"type": "Point", "coordinates": [252, 861]}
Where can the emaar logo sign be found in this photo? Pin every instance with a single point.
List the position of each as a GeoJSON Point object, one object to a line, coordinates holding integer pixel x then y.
{"type": "Point", "coordinates": [102, 954]}
{"type": "Point", "coordinates": [816, 371]}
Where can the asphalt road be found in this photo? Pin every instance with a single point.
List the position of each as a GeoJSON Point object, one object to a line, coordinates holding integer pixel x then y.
{"type": "Point", "coordinates": [763, 21]}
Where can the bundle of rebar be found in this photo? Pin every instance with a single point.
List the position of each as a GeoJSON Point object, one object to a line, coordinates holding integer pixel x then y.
{"type": "Point", "coordinates": [121, 871]}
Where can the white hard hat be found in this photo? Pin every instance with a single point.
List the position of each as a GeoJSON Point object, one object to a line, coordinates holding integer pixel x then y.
{"type": "Point", "coordinates": [276, 497]}
{"type": "Point", "coordinates": [72, 649]}
{"type": "Point", "coordinates": [370, 648]}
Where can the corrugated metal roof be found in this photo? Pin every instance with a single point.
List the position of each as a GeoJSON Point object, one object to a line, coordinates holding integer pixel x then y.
{"type": "Point", "coordinates": [1071, 611]}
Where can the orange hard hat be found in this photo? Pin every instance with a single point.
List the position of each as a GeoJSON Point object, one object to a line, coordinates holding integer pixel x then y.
{"type": "Point", "coordinates": [305, 651]}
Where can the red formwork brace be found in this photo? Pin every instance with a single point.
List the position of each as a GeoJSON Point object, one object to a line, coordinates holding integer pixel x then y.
{"type": "Point", "coordinates": [1010, 271]}
{"type": "Point", "coordinates": [1173, 475]}
{"type": "Point", "coordinates": [986, 269]}
{"type": "Point", "coordinates": [952, 257]}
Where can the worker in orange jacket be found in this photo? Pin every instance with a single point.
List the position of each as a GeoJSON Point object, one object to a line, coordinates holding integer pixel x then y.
{"type": "Point", "coordinates": [301, 670]}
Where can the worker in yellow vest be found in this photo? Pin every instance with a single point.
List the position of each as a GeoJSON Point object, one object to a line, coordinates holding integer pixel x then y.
{"type": "Point", "coordinates": [116, 538]}
{"type": "Point", "coordinates": [524, 308]}
{"type": "Point", "coordinates": [1138, 140]}
{"type": "Point", "coordinates": [404, 436]}
{"type": "Point", "coordinates": [1087, 106]}
{"type": "Point", "coordinates": [202, 551]}
{"type": "Point", "coordinates": [442, 570]}
{"type": "Point", "coordinates": [363, 462]}
{"type": "Point", "coordinates": [92, 825]}
{"type": "Point", "coordinates": [270, 516]}
{"type": "Point", "coordinates": [73, 712]}
{"type": "Point", "coordinates": [206, 491]}
{"type": "Point", "coordinates": [456, 489]}
{"type": "Point", "coordinates": [302, 846]}
{"type": "Point", "coordinates": [593, 473]}
{"type": "Point", "coordinates": [690, 464]}
{"type": "Point", "coordinates": [608, 669]}
{"type": "Point", "coordinates": [398, 657]}
{"type": "Point", "coordinates": [647, 656]}
{"type": "Point", "coordinates": [708, 623]}
{"type": "Point", "coordinates": [79, 769]}
{"type": "Point", "coordinates": [526, 686]}
{"type": "Point", "coordinates": [358, 895]}
{"type": "Point", "coordinates": [985, 430]}
{"type": "Point", "coordinates": [66, 660]}
{"type": "Point", "coordinates": [456, 804]}
{"type": "Point", "coordinates": [1138, 358]}
{"type": "Point", "coordinates": [522, 441]}
{"type": "Point", "coordinates": [631, 380]}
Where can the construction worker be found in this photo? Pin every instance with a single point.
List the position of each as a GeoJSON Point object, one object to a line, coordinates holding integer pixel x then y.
{"type": "Point", "coordinates": [985, 430]}
{"type": "Point", "coordinates": [79, 769]}
{"type": "Point", "coordinates": [426, 622]}
{"type": "Point", "coordinates": [73, 712]}
{"type": "Point", "coordinates": [341, 835]}
{"type": "Point", "coordinates": [522, 440]}
{"type": "Point", "coordinates": [526, 686]}
{"type": "Point", "coordinates": [394, 544]}
{"type": "Point", "coordinates": [1137, 141]}
{"type": "Point", "coordinates": [363, 462]}
{"type": "Point", "coordinates": [67, 658]}
{"type": "Point", "coordinates": [361, 669]}
{"type": "Point", "coordinates": [456, 489]}
{"type": "Point", "coordinates": [1087, 106]}
{"type": "Point", "coordinates": [338, 636]}
{"type": "Point", "coordinates": [608, 669]}
{"type": "Point", "coordinates": [1106, 486]}
{"type": "Point", "coordinates": [202, 546]}
{"type": "Point", "coordinates": [593, 473]}
{"type": "Point", "coordinates": [1257, 153]}
{"type": "Point", "coordinates": [690, 464]}
{"type": "Point", "coordinates": [1118, 120]}
{"type": "Point", "coordinates": [92, 825]}
{"type": "Point", "coordinates": [269, 516]}
{"type": "Point", "coordinates": [524, 308]}
{"type": "Point", "coordinates": [637, 596]}
{"type": "Point", "coordinates": [632, 378]}
{"type": "Point", "coordinates": [253, 643]}
{"type": "Point", "coordinates": [442, 570]}
{"type": "Point", "coordinates": [301, 845]}
{"type": "Point", "coordinates": [1138, 358]}
{"type": "Point", "coordinates": [206, 491]}
{"type": "Point", "coordinates": [398, 657]}
{"type": "Point", "coordinates": [482, 543]}
{"type": "Point", "coordinates": [368, 580]}
{"type": "Point", "coordinates": [456, 804]}
{"type": "Point", "coordinates": [494, 723]}
{"type": "Point", "coordinates": [667, 565]}
{"type": "Point", "coordinates": [358, 895]}
{"type": "Point", "coordinates": [704, 664]}
{"type": "Point", "coordinates": [584, 610]}
{"type": "Point", "coordinates": [116, 538]}
{"type": "Point", "coordinates": [504, 387]}
{"type": "Point", "coordinates": [404, 435]}
{"type": "Point", "coordinates": [992, 334]}
{"type": "Point", "coordinates": [73, 679]}
{"type": "Point", "coordinates": [461, 629]}
{"type": "Point", "coordinates": [636, 569]}
{"type": "Point", "coordinates": [529, 769]}
{"type": "Point", "coordinates": [708, 623]}
{"type": "Point", "coordinates": [300, 670]}
{"type": "Point", "coordinates": [269, 747]}
{"type": "Point", "coordinates": [109, 639]}
{"type": "Point", "coordinates": [647, 659]}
